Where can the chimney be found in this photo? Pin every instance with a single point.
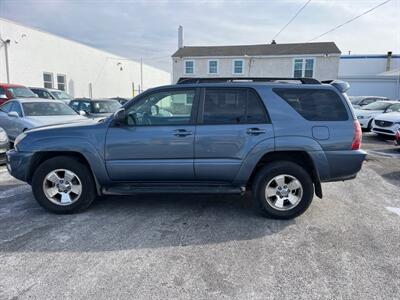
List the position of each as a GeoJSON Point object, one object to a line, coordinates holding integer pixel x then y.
{"type": "Point", "coordinates": [180, 37]}
{"type": "Point", "coordinates": [388, 60]}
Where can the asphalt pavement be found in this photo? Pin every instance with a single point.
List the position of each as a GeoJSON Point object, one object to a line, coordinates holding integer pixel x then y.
{"type": "Point", "coordinates": [346, 246]}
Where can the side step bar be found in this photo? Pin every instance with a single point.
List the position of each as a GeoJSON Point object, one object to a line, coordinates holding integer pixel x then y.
{"type": "Point", "coordinates": [126, 189]}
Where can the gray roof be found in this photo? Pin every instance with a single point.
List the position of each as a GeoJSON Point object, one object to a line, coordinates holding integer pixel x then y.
{"type": "Point", "coordinates": [255, 50]}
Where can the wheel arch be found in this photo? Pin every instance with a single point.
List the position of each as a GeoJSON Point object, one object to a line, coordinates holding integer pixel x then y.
{"type": "Point", "coordinates": [42, 156]}
{"type": "Point", "coordinates": [301, 158]}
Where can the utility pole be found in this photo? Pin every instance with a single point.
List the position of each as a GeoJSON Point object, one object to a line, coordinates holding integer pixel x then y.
{"type": "Point", "coordinates": [6, 43]}
{"type": "Point", "coordinates": [141, 74]}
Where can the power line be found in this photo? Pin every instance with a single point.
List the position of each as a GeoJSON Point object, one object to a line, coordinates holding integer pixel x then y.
{"type": "Point", "coordinates": [291, 20]}
{"type": "Point", "coordinates": [347, 22]}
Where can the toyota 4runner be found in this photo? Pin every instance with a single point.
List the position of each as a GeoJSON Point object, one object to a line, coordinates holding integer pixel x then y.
{"type": "Point", "coordinates": [279, 138]}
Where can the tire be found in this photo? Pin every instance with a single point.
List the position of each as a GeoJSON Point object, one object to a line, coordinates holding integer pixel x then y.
{"type": "Point", "coordinates": [80, 188]}
{"type": "Point", "coordinates": [369, 126]}
{"type": "Point", "coordinates": [279, 207]}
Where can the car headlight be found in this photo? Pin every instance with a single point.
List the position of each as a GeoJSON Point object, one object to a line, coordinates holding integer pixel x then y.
{"type": "Point", "coordinates": [19, 139]}
{"type": "Point", "coordinates": [3, 136]}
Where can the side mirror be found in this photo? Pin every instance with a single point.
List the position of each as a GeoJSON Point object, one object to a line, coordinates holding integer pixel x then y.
{"type": "Point", "coordinates": [83, 113]}
{"type": "Point", "coordinates": [119, 115]}
{"type": "Point", "coordinates": [13, 114]}
{"type": "Point", "coordinates": [3, 96]}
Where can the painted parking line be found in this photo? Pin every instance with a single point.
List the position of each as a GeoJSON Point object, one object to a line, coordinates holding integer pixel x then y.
{"type": "Point", "coordinates": [381, 153]}
{"type": "Point", "coordinates": [395, 210]}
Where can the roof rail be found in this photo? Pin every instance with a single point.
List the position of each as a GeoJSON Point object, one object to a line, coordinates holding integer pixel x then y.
{"type": "Point", "coordinates": [189, 80]}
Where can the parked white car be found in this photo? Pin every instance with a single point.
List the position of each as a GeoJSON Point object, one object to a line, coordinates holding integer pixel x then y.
{"type": "Point", "coordinates": [360, 101]}
{"type": "Point", "coordinates": [386, 124]}
{"type": "Point", "coordinates": [367, 113]}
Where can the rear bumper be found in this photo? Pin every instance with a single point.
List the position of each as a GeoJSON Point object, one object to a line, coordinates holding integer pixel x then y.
{"type": "Point", "coordinates": [18, 164]}
{"type": "Point", "coordinates": [344, 164]}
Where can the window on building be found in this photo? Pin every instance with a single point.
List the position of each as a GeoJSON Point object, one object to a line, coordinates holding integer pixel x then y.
{"type": "Point", "coordinates": [189, 66]}
{"type": "Point", "coordinates": [213, 66]}
{"type": "Point", "coordinates": [48, 80]}
{"type": "Point", "coordinates": [226, 106]}
{"type": "Point", "coordinates": [303, 67]}
{"type": "Point", "coordinates": [314, 104]}
{"type": "Point", "coordinates": [238, 66]}
{"type": "Point", "coordinates": [61, 82]}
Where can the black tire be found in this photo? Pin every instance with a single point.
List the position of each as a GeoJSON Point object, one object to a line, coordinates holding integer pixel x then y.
{"type": "Point", "coordinates": [369, 127]}
{"type": "Point", "coordinates": [88, 193]}
{"type": "Point", "coordinates": [266, 174]}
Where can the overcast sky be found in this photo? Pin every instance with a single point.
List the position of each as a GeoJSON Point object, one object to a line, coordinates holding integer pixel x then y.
{"type": "Point", "coordinates": [148, 29]}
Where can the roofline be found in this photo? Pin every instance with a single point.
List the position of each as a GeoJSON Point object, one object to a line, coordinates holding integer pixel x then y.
{"type": "Point", "coordinates": [115, 56]}
{"type": "Point", "coordinates": [261, 56]}
{"type": "Point", "coordinates": [368, 56]}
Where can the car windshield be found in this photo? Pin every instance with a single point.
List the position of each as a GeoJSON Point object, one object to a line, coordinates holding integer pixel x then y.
{"type": "Point", "coordinates": [379, 105]}
{"type": "Point", "coordinates": [47, 109]}
{"type": "Point", "coordinates": [355, 100]}
{"type": "Point", "coordinates": [60, 95]}
{"type": "Point", "coordinates": [21, 92]}
{"type": "Point", "coordinates": [104, 107]}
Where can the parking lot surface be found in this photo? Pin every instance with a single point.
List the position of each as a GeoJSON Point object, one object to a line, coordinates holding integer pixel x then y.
{"type": "Point", "coordinates": [346, 246]}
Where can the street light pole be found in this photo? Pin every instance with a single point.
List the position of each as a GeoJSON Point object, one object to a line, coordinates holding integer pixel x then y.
{"type": "Point", "coordinates": [5, 43]}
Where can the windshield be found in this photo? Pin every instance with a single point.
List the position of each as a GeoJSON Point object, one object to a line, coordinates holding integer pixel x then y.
{"type": "Point", "coordinates": [60, 95]}
{"type": "Point", "coordinates": [379, 105]}
{"type": "Point", "coordinates": [104, 107]}
{"type": "Point", "coordinates": [355, 100]}
{"type": "Point", "coordinates": [47, 109]}
{"type": "Point", "coordinates": [21, 92]}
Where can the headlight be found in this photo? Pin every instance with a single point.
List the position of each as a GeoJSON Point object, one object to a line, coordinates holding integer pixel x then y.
{"type": "Point", "coordinates": [361, 117]}
{"type": "Point", "coordinates": [19, 139]}
{"type": "Point", "coordinates": [3, 136]}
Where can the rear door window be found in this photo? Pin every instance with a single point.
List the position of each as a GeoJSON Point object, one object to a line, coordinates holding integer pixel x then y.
{"type": "Point", "coordinates": [233, 106]}
{"type": "Point", "coordinates": [315, 104]}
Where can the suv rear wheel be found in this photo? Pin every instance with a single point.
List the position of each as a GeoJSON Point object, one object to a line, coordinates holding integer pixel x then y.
{"type": "Point", "coordinates": [63, 185]}
{"type": "Point", "coordinates": [282, 190]}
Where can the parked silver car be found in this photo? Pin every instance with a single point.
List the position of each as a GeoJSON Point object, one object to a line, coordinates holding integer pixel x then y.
{"type": "Point", "coordinates": [18, 115]}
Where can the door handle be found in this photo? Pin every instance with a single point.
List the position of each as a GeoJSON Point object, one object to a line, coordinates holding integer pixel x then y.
{"type": "Point", "coordinates": [255, 131]}
{"type": "Point", "coordinates": [182, 132]}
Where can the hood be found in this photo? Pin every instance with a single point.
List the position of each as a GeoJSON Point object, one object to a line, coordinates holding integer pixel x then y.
{"type": "Point", "coordinates": [391, 117]}
{"type": "Point", "coordinates": [49, 120]}
{"type": "Point", "coordinates": [365, 112]}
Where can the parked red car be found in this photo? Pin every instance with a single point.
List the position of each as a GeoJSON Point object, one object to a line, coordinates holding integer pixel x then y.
{"type": "Point", "coordinates": [11, 91]}
{"type": "Point", "coordinates": [397, 138]}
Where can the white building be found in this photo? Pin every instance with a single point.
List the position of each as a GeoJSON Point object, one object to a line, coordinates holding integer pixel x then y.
{"type": "Point", "coordinates": [40, 59]}
{"type": "Point", "coordinates": [317, 60]}
{"type": "Point", "coordinates": [371, 75]}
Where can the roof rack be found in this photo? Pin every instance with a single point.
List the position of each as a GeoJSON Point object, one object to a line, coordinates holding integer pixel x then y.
{"type": "Point", "coordinates": [189, 80]}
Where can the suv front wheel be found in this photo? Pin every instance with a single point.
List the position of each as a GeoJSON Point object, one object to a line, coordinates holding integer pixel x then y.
{"type": "Point", "coordinates": [63, 185]}
{"type": "Point", "coordinates": [282, 190]}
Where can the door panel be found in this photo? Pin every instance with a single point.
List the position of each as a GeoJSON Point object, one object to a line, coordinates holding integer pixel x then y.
{"type": "Point", "coordinates": [157, 141]}
{"type": "Point", "coordinates": [237, 121]}
{"type": "Point", "coordinates": [221, 149]}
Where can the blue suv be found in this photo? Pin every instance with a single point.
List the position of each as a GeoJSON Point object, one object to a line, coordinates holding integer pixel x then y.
{"type": "Point", "coordinates": [278, 138]}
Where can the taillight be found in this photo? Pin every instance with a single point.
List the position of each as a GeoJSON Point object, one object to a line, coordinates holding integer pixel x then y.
{"type": "Point", "coordinates": [356, 144]}
{"type": "Point", "coordinates": [398, 134]}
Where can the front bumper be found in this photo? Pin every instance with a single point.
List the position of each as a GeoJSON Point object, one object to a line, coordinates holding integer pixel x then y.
{"type": "Point", "coordinates": [390, 130]}
{"type": "Point", "coordinates": [18, 164]}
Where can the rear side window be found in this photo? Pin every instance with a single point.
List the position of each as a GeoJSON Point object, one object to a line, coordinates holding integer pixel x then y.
{"type": "Point", "coordinates": [233, 106]}
{"type": "Point", "coordinates": [315, 104]}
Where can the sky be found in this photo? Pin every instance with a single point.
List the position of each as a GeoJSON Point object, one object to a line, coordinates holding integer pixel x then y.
{"type": "Point", "coordinates": [148, 29]}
